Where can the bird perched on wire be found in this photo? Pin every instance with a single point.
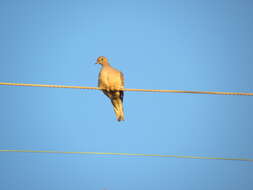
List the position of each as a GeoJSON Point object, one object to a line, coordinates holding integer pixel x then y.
{"type": "Point", "coordinates": [111, 81]}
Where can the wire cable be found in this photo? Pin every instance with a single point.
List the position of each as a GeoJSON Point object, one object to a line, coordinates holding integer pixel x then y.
{"type": "Point", "coordinates": [130, 154]}
{"type": "Point", "coordinates": [135, 90]}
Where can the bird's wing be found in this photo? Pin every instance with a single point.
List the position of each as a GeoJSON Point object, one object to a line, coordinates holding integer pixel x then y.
{"type": "Point", "coordinates": [122, 85]}
{"type": "Point", "coordinates": [122, 79]}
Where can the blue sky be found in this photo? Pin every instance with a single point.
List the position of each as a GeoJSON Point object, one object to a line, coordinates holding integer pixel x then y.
{"type": "Point", "coordinates": [181, 45]}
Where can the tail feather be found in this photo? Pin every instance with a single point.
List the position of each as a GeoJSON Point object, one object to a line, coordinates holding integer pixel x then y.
{"type": "Point", "coordinates": [118, 109]}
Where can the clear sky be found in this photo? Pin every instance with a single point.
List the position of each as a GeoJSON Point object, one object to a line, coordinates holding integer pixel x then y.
{"type": "Point", "coordinates": [159, 44]}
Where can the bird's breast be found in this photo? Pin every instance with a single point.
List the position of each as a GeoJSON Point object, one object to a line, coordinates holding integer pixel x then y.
{"type": "Point", "coordinates": [109, 79]}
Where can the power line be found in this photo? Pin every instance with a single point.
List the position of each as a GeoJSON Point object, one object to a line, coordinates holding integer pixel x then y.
{"type": "Point", "coordinates": [135, 90]}
{"type": "Point", "coordinates": [130, 154]}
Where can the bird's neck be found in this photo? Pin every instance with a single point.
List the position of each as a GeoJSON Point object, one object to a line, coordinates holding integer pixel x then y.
{"type": "Point", "coordinates": [105, 64]}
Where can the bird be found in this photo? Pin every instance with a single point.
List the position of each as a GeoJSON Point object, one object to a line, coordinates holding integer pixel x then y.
{"type": "Point", "coordinates": [111, 81]}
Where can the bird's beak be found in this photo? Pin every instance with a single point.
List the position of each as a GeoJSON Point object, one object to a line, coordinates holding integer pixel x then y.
{"type": "Point", "coordinates": [97, 63]}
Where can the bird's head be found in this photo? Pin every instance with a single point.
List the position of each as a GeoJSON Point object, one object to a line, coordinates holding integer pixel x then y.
{"type": "Point", "coordinates": [102, 60]}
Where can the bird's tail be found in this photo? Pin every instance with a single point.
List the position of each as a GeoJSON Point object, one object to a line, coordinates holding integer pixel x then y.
{"type": "Point", "coordinates": [118, 109]}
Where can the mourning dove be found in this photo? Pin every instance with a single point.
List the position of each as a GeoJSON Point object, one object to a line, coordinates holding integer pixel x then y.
{"type": "Point", "coordinates": [111, 81]}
